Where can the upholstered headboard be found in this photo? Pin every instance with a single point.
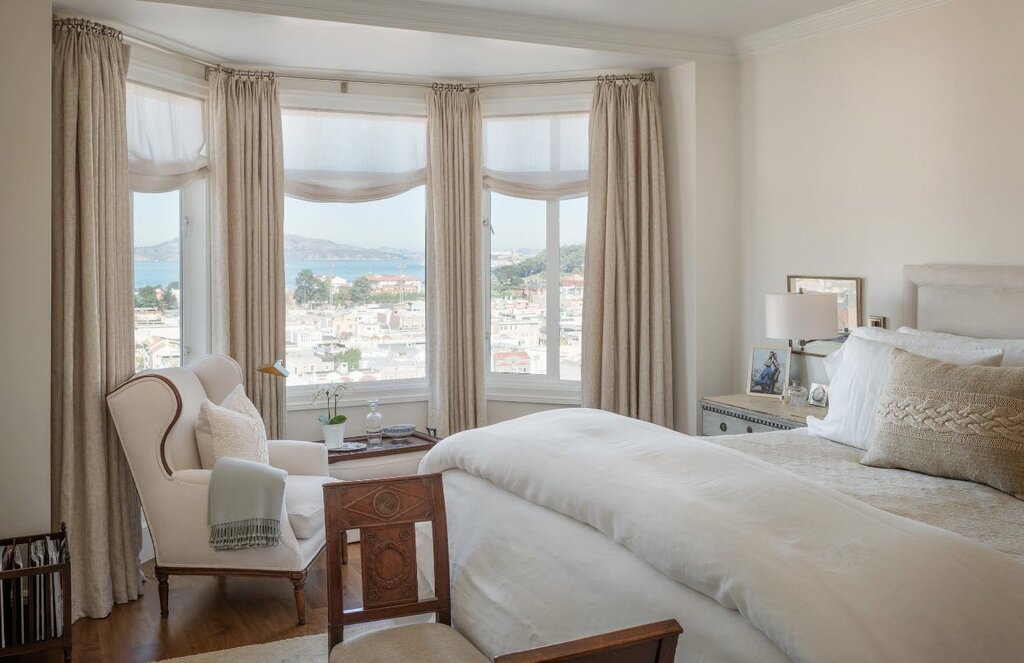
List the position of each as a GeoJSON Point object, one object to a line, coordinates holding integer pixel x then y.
{"type": "Point", "coordinates": [984, 302]}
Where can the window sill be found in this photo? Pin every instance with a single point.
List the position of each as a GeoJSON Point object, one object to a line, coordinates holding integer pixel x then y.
{"type": "Point", "coordinates": [505, 389]}
{"type": "Point", "coordinates": [532, 389]}
{"type": "Point", "coordinates": [387, 392]}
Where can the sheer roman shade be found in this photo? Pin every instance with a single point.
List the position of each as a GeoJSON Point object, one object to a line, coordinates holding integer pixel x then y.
{"type": "Point", "coordinates": [542, 157]}
{"type": "Point", "coordinates": [166, 139]}
{"type": "Point", "coordinates": [351, 158]}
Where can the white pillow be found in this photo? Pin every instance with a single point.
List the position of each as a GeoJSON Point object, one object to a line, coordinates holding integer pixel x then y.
{"type": "Point", "coordinates": [234, 428]}
{"type": "Point", "coordinates": [854, 393]}
{"type": "Point", "coordinates": [1013, 349]}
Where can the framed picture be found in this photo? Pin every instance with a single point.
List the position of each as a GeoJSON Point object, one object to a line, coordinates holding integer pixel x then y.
{"type": "Point", "coordinates": [768, 371]}
{"type": "Point", "coordinates": [818, 395]}
{"type": "Point", "coordinates": [848, 289]}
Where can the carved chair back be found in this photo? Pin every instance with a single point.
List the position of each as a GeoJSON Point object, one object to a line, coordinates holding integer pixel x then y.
{"type": "Point", "coordinates": [385, 511]}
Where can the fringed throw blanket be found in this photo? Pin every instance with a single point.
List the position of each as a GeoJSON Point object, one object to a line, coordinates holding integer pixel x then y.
{"type": "Point", "coordinates": [246, 499]}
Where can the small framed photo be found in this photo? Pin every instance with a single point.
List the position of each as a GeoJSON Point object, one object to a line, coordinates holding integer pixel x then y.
{"type": "Point", "coordinates": [768, 370]}
{"type": "Point", "coordinates": [848, 290]}
{"type": "Point", "coordinates": [818, 395]}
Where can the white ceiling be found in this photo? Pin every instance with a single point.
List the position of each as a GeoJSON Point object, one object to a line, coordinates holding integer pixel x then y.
{"type": "Point", "coordinates": [431, 38]}
{"type": "Point", "coordinates": [721, 19]}
{"type": "Point", "coordinates": [230, 37]}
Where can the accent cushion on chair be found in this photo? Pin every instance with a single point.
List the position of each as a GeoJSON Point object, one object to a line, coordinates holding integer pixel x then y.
{"type": "Point", "coordinates": [304, 502]}
{"type": "Point", "coordinates": [234, 428]}
{"type": "Point", "coordinates": [423, 643]}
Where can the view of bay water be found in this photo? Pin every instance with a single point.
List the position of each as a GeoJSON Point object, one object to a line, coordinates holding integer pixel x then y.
{"type": "Point", "coordinates": [161, 273]}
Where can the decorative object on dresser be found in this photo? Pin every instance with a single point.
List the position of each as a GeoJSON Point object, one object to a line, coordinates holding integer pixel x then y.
{"type": "Point", "coordinates": [386, 513]}
{"type": "Point", "coordinates": [35, 594]}
{"type": "Point", "coordinates": [738, 413]}
{"type": "Point", "coordinates": [803, 316]}
{"type": "Point", "coordinates": [818, 396]}
{"type": "Point", "coordinates": [848, 293]}
{"type": "Point", "coordinates": [333, 424]}
{"type": "Point", "coordinates": [768, 370]}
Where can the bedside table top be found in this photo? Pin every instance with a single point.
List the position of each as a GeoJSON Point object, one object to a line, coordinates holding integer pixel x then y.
{"type": "Point", "coordinates": [772, 407]}
{"type": "Point", "coordinates": [416, 442]}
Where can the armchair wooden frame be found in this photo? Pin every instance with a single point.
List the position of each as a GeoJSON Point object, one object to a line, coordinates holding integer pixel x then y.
{"type": "Point", "coordinates": [386, 511]}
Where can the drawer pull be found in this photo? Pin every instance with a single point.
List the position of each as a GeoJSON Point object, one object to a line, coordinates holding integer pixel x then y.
{"type": "Point", "coordinates": [750, 429]}
{"type": "Point", "coordinates": [723, 427]}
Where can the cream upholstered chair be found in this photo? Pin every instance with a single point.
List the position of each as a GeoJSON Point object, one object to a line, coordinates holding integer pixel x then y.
{"type": "Point", "coordinates": [155, 414]}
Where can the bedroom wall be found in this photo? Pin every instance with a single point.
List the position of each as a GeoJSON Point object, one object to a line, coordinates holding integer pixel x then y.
{"type": "Point", "coordinates": [897, 143]}
{"type": "Point", "coordinates": [25, 272]}
{"type": "Point", "coordinates": [701, 127]}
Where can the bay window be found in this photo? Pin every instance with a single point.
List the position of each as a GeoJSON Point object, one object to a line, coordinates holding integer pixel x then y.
{"type": "Point", "coordinates": [535, 206]}
{"type": "Point", "coordinates": [167, 167]}
{"type": "Point", "coordinates": [355, 238]}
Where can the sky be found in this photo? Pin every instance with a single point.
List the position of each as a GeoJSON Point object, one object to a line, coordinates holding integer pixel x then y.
{"type": "Point", "coordinates": [397, 222]}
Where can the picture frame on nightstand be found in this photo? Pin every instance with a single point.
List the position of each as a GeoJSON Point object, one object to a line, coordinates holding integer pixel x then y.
{"type": "Point", "coordinates": [818, 395]}
{"type": "Point", "coordinates": [768, 370]}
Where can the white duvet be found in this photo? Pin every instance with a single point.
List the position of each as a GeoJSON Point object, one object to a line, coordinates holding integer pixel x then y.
{"type": "Point", "coordinates": [823, 576]}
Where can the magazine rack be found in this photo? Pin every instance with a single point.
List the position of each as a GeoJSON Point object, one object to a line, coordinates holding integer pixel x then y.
{"type": "Point", "coordinates": [30, 599]}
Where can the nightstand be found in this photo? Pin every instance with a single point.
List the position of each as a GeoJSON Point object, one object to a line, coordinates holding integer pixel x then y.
{"type": "Point", "coordinates": [739, 413]}
{"type": "Point", "coordinates": [388, 460]}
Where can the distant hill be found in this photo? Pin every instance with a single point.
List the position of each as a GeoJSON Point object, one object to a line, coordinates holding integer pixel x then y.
{"type": "Point", "coordinates": [162, 252]}
{"type": "Point", "coordinates": [296, 247]}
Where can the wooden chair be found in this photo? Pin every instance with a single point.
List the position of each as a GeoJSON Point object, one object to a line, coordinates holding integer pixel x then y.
{"type": "Point", "coordinates": [386, 511]}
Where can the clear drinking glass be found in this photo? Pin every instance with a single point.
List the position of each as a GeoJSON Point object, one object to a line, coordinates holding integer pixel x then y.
{"type": "Point", "coordinates": [374, 425]}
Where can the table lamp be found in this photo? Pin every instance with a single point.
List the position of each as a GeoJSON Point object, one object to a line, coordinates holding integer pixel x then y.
{"type": "Point", "coordinates": [803, 316]}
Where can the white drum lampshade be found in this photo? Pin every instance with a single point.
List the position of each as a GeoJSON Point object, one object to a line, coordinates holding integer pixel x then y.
{"type": "Point", "coordinates": [811, 315]}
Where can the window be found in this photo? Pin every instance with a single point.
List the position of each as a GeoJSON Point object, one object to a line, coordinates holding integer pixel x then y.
{"type": "Point", "coordinates": [536, 209]}
{"type": "Point", "coordinates": [157, 279]}
{"type": "Point", "coordinates": [167, 162]}
{"type": "Point", "coordinates": [355, 248]}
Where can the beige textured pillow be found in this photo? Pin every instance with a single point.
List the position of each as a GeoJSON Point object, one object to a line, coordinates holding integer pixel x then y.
{"type": "Point", "coordinates": [960, 422]}
{"type": "Point", "coordinates": [234, 428]}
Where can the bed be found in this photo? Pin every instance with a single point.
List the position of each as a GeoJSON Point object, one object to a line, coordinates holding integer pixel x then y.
{"type": "Point", "coordinates": [766, 547]}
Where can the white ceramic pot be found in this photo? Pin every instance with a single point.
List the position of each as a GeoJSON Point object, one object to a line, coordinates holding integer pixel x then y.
{"type": "Point", "coordinates": [334, 434]}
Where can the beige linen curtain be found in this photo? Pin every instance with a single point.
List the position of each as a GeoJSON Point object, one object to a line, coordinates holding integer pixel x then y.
{"type": "Point", "coordinates": [455, 317]}
{"type": "Point", "coordinates": [627, 336]}
{"type": "Point", "coordinates": [91, 318]}
{"type": "Point", "coordinates": [247, 165]}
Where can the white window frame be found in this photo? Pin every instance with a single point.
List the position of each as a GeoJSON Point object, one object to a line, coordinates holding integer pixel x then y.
{"type": "Point", "coordinates": [301, 96]}
{"type": "Point", "coordinates": [157, 71]}
{"type": "Point", "coordinates": [532, 388]}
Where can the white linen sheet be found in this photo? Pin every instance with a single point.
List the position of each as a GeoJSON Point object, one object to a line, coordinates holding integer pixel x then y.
{"type": "Point", "coordinates": [824, 576]}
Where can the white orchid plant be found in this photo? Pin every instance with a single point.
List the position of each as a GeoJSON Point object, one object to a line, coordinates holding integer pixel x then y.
{"type": "Point", "coordinates": [331, 395]}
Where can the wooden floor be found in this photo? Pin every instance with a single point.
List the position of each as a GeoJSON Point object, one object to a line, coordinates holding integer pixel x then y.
{"type": "Point", "coordinates": [207, 614]}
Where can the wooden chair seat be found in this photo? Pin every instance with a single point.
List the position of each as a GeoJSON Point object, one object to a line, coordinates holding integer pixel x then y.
{"type": "Point", "coordinates": [424, 643]}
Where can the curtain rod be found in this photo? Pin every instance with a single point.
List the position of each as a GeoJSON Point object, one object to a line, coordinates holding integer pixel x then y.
{"type": "Point", "coordinates": [381, 81]}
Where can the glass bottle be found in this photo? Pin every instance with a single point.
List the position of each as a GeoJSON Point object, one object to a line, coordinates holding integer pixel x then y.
{"type": "Point", "coordinates": [797, 395]}
{"type": "Point", "coordinates": [374, 425]}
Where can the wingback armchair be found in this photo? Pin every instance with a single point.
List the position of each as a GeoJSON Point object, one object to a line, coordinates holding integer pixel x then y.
{"type": "Point", "coordinates": [155, 414]}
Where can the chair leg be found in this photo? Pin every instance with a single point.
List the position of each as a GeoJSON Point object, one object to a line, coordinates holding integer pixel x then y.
{"type": "Point", "coordinates": [344, 547]}
{"type": "Point", "coordinates": [298, 579]}
{"type": "Point", "coordinates": [161, 579]}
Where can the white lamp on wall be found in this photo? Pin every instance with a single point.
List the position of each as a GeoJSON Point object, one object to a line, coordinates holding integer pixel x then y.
{"type": "Point", "coordinates": [803, 316]}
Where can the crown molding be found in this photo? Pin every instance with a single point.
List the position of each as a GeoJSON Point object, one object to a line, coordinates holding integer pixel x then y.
{"type": "Point", "coordinates": [475, 22]}
{"type": "Point", "coordinates": [841, 19]}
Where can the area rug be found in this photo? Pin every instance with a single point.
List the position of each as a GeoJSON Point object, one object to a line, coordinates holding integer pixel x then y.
{"type": "Point", "coordinates": [307, 649]}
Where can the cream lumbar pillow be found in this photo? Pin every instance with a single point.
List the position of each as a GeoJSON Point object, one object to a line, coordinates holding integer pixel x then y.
{"type": "Point", "coordinates": [234, 428]}
{"type": "Point", "coordinates": [858, 384]}
{"type": "Point", "coordinates": [959, 422]}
